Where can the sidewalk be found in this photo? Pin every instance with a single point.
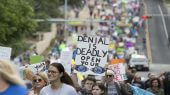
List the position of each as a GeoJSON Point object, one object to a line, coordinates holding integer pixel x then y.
{"type": "Point", "coordinates": [41, 46]}
{"type": "Point", "coordinates": [44, 44]}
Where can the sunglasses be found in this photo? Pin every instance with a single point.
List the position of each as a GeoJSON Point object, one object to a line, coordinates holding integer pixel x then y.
{"type": "Point", "coordinates": [109, 76]}
{"type": "Point", "coordinates": [37, 80]}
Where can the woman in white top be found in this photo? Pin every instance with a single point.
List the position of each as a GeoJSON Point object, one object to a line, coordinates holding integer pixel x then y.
{"type": "Point", "coordinates": [60, 82]}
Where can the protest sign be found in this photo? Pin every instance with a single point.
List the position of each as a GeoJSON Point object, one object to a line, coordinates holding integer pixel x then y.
{"type": "Point", "coordinates": [139, 91]}
{"type": "Point", "coordinates": [35, 59]}
{"type": "Point", "coordinates": [39, 67]}
{"type": "Point", "coordinates": [66, 60]}
{"type": "Point", "coordinates": [117, 65]}
{"type": "Point", "coordinates": [91, 54]}
{"type": "Point", "coordinates": [116, 61]}
{"type": "Point", "coordinates": [111, 46]}
{"type": "Point", "coordinates": [34, 68]}
{"type": "Point", "coordinates": [5, 53]}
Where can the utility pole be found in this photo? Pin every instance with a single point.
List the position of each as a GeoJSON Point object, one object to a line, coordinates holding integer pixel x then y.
{"type": "Point", "coordinates": [65, 23]}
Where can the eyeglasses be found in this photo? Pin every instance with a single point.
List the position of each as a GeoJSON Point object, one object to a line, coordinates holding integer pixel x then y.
{"type": "Point", "coordinates": [37, 80]}
{"type": "Point", "coordinates": [52, 72]}
{"type": "Point", "coordinates": [109, 76]}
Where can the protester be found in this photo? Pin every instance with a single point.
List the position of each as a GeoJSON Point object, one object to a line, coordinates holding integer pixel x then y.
{"type": "Point", "coordinates": [47, 63]}
{"type": "Point", "coordinates": [39, 81]}
{"type": "Point", "coordinates": [150, 77]}
{"type": "Point", "coordinates": [138, 82]}
{"type": "Point", "coordinates": [10, 82]}
{"type": "Point", "coordinates": [98, 89]}
{"type": "Point", "coordinates": [155, 87]}
{"type": "Point", "coordinates": [75, 79]}
{"type": "Point", "coordinates": [60, 82]}
{"type": "Point", "coordinates": [125, 88]}
{"type": "Point", "coordinates": [122, 26]}
{"type": "Point", "coordinates": [112, 87]}
{"type": "Point", "coordinates": [166, 83]}
{"type": "Point", "coordinates": [130, 75]}
{"type": "Point", "coordinates": [28, 74]}
{"type": "Point", "coordinates": [87, 87]}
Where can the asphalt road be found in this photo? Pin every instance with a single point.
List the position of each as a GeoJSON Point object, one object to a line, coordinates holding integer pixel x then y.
{"type": "Point", "coordinates": [159, 42]}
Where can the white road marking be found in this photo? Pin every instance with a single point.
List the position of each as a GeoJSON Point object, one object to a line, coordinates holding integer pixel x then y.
{"type": "Point", "coordinates": [163, 19]}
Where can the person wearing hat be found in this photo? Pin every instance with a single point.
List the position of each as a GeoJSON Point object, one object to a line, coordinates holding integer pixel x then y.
{"type": "Point", "coordinates": [112, 87]}
{"type": "Point", "coordinates": [10, 82]}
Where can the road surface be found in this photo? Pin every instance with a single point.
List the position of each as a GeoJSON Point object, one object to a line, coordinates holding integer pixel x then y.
{"type": "Point", "coordinates": [158, 38]}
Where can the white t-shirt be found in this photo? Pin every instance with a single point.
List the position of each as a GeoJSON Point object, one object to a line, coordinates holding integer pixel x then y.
{"type": "Point", "coordinates": [64, 90]}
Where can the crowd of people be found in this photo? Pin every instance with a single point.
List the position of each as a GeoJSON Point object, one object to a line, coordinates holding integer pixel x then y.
{"type": "Point", "coordinates": [57, 82]}
{"type": "Point", "coordinates": [121, 23]}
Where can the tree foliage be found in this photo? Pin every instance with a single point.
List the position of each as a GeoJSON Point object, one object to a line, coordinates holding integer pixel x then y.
{"type": "Point", "coordinates": [50, 8]}
{"type": "Point", "coordinates": [46, 8]}
{"type": "Point", "coordinates": [15, 21]}
{"type": "Point", "coordinates": [16, 18]}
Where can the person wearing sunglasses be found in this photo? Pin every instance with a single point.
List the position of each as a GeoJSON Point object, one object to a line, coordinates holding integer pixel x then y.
{"type": "Point", "coordinates": [60, 82]}
{"type": "Point", "coordinates": [10, 82]}
{"type": "Point", "coordinates": [112, 87]}
{"type": "Point", "coordinates": [39, 81]}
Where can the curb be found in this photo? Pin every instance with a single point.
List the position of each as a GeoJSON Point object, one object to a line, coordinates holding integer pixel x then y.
{"type": "Point", "coordinates": [147, 35]}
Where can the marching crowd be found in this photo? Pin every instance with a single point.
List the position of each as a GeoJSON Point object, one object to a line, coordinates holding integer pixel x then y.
{"type": "Point", "coordinates": [57, 82]}
{"type": "Point", "coordinates": [54, 80]}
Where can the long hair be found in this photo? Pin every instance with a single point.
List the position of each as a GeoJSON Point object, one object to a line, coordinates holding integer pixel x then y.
{"type": "Point", "coordinates": [9, 74]}
{"type": "Point", "coordinates": [159, 82]}
{"type": "Point", "coordinates": [65, 78]}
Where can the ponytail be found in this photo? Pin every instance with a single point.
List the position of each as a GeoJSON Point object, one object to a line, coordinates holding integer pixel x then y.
{"type": "Point", "coordinates": [67, 79]}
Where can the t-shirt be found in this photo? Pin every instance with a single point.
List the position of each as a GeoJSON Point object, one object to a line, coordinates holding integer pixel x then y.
{"type": "Point", "coordinates": [14, 90]}
{"type": "Point", "coordinates": [112, 89]}
{"type": "Point", "coordinates": [64, 90]}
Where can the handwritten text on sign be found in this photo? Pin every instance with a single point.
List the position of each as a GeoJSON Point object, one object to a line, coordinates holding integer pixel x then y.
{"type": "Point", "coordinates": [5, 53]}
{"type": "Point", "coordinates": [91, 52]}
{"type": "Point", "coordinates": [119, 71]}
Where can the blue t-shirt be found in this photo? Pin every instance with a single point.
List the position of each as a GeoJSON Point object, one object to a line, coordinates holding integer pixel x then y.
{"type": "Point", "coordinates": [14, 90]}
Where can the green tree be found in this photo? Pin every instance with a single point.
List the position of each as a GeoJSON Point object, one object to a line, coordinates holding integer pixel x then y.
{"type": "Point", "coordinates": [46, 8]}
{"type": "Point", "coordinates": [50, 8]}
{"type": "Point", "coordinates": [16, 22]}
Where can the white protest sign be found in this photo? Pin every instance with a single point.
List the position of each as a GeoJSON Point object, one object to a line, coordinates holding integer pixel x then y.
{"type": "Point", "coordinates": [119, 71]}
{"type": "Point", "coordinates": [65, 59]}
{"type": "Point", "coordinates": [91, 54]}
{"type": "Point", "coordinates": [36, 67]}
{"type": "Point", "coordinates": [5, 53]}
{"type": "Point", "coordinates": [40, 67]}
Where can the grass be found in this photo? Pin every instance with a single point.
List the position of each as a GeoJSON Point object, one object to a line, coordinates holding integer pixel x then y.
{"type": "Point", "coordinates": [167, 1]}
